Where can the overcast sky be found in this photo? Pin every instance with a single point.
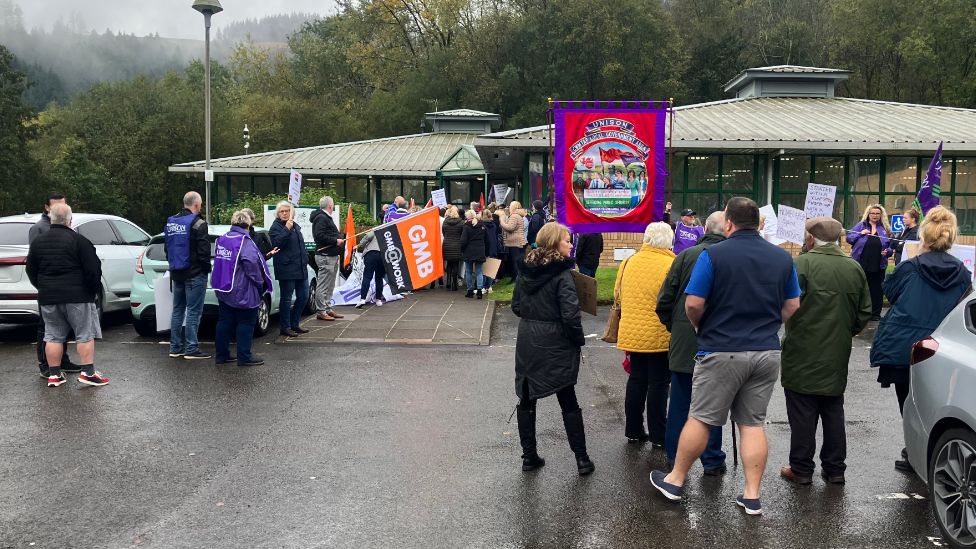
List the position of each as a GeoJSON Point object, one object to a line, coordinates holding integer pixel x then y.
{"type": "Point", "coordinates": [170, 18]}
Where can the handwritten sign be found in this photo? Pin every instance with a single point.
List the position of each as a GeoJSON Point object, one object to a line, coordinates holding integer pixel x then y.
{"type": "Point", "coordinates": [820, 200]}
{"type": "Point", "coordinates": [439, 197]}
{"type": "Point", "coordinates": [295, 187]}
{"type": "Point", "coordinates": [501, 192]}
{"type": "Point", "coordinates": [962, 252]}
{"type": "Point", "coordinates": [791, 224]}
{"type": "Point", "coordinates": [586, 291]}
{"type": "Point", "coordinates": [769, 228]}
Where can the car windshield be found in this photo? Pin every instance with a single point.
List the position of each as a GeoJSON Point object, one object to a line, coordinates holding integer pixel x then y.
{"type": "Point", "coordinates": [156, 250]}
{"type": "Point", "coordinates": [14, 233]}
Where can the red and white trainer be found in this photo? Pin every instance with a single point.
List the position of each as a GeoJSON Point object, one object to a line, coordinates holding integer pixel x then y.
{"type": "Point", "coordinates": [96, 379]}
{"type": "Point", "coordinates": [55, 381]}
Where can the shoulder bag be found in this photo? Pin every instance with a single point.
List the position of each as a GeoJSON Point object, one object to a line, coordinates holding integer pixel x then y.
{"type": "Point", "coordinates": [613, 322]}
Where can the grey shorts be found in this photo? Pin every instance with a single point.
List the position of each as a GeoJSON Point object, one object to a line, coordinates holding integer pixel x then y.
{"type": "Point", "coordinates": [61, 319]}
{"type": "Point", "coordinates": [741, 383]}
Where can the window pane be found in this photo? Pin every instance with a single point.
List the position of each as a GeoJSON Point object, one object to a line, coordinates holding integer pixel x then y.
{"type": "Point", "coordinates": [414, 189]}
{"type": "Point", "coordinates": [703, 172]}
{"type": "Point", "coordinates": [389, 189]}
{"type": "Point", "coordinates": [263, 185]}
{"type": "Point", "coordinates": [677, 176]}
{"type": "Point", "coordinates": [900, 173]}
{"type": "Point", "coordinates": [793, 200]}
{"type": "Point", "coordinates": [459, 192]}
{"type": "Point", "coordinates": [334, 186]}
{"type": "Point", "coordinates": [130, 233]}
{"type": "Point", "coordinates": [737, 174]}
{"type": "Point", "coordinates": [946, 182]}
{"type": "Point", "coordinates": [966, 214]}
{"type": "Point", "coordinates": [965, 175]}
{"type": "Point", "coordinates": [794, 173]}
{"type": "Point", "coordinates": [829, 171]}
{"type": "Point", "coordinates": [865, 175]}
{"type": "Point", "coordinates": [856, 204]}
{"type": "Point", "coordinates": [896, 204]}
{"type": "Point", "coordinates": [703, 204]}
{"type": "Point", "coordinates": [98, 232]}
{"type": "Point", "coordinates": [356, 190]}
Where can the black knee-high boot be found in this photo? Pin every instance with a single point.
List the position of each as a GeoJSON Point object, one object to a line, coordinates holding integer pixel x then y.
{"type": "Point", "coordinates": [526, 427]}
{"type": "Point", "coordinates": [573, 422]}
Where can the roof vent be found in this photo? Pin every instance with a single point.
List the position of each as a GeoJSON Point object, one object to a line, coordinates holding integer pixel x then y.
{"type": "Point", "coordinates": [786, 81]}
{"type": "Point", "coordinates": [462, 121]}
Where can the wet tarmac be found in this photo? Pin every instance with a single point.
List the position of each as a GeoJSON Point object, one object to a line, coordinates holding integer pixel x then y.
{"type": "Point", "coordinates": [370, 445]}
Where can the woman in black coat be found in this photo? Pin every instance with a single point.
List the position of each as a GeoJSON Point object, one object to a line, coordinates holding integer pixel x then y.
{"type": "Point", "coordinates": [290, 269]}
{"type": "Point", "coordinates": [451, 247]}
{"type": "Point", "coordinates": [491, 245]}
{"type": "Point", "coordinates": [474, 247]}
{"type": "Point", "coordinates": [550, 335]}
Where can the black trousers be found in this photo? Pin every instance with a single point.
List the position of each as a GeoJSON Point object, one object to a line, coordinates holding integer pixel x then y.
{"type": "Point", "coordinates": [875, 280]}
{"type": "Point", "coordinates": [566, 397]}
{"type": "Point", "coordinates": [373, 271]}
{"type": "Point", "coordinates": [803, 412]}
{"type": "Point", "coordinates": [647, 386]}
{"type": "Point", "coordinates": [451, 272]}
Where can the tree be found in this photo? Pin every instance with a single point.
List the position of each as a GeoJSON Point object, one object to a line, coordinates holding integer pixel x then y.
{"type": "Point", "coordinates": [18, 171]}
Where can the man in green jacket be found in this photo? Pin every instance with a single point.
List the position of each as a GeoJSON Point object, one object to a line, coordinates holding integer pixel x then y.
{"type": "Point", "coordinates": [684, 345]}
{"type": "Point", "coordinates": [835, 305]}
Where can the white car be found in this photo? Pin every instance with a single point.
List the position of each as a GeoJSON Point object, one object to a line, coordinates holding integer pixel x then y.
{"type": "Point", "coordinates": [118, 243]}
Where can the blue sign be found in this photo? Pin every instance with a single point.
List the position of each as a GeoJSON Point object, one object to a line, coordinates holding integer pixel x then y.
{"type": "Point", "coordinates": [897, 223]}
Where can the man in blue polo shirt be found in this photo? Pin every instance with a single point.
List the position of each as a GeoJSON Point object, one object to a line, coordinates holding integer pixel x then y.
{"type": "Point", "coordinates": [740, 292]}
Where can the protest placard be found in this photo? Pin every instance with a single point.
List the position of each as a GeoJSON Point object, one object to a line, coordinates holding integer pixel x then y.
{"type": "Point", "coordinates": [491, 267]}
{"type": "Point", "coordinates": [790, 224]}
{"type": "Point", "coordinates": [820, 200]}
{"type": "Point", "coordinates": [501, 191]}
{"type": "Point", "coordinates": [439, 198]}
{"type": "Point", "coordinates": [769, 229]}
{"type": "Point", "coordinates": [586, 291]}
{"type": "Point", "coordinates": [295, 188]}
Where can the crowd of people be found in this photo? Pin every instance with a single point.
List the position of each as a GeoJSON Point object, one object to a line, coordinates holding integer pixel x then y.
{"type": "Point", "coordinates": [701, 328]}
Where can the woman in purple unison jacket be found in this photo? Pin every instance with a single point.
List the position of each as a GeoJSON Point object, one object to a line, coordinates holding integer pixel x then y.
{"type": "Point", "coordinates": [240, 279]}
{"type": "Point", "coordinates": [869, 239]}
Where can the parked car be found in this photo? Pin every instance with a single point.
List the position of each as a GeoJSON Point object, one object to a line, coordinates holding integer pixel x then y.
{"type": "Point", "coordinates": [152, 264]}
{"type": "Point", "coordinates": [940, 422]}
{"type": "Point", "coordinates": [118, 243]}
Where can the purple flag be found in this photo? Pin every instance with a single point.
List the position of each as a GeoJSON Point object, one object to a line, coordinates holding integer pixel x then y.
{"type": "Point", "coordinates": [928, 194]}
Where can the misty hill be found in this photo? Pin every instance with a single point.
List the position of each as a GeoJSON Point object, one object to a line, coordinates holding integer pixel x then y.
{"type": "Point", "coordinates": [271, 29]}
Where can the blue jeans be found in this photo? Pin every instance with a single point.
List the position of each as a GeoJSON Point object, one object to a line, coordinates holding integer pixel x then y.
{"type": "Point", "coordinates": [587, 271]}
{"type": "Point", "coordinates": [230, 321]}
{"type": "Point", "coordinates": [713, 457]}
{"type": "Point", "coordinates": [290, 311]}
{"type": "Point", "coordinates": [373, 271]}
{"type": "Point", "coordinates": [472, 274]}
{"type": "Point", "coordinates": [188, 299]}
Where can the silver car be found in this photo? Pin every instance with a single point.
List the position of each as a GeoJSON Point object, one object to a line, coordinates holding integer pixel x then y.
{"type": "Point", "coordinates": [118, 243]}
{"type": "Point", "coordinates": [940, 422]}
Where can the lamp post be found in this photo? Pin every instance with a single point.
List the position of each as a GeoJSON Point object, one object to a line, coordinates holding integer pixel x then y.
{"type": "Point", "coordinates": [207, 8]}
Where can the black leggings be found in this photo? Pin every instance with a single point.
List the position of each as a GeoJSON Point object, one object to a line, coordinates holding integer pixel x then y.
{"type": "Point", "coordinates": [566, 397]}
{"type": "Point", "coordinates": [901, 391]}
{"type": "Point", "coordinates": [875, 282]}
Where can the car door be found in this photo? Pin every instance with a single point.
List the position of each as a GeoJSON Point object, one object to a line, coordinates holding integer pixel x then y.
{"type": "Point", "coordinates": [117, 262]}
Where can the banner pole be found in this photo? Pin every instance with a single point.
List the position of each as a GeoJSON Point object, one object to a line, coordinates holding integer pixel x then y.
{"type": "Point", "coordinates": [550, 184]}
{"type": "Point", "coordinates": [670, 150]}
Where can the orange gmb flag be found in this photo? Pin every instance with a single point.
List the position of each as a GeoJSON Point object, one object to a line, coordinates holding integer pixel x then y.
{"type": "Point", "coordinates": [350, 237]}
{"type": "Point", "coordinates": [411, 250]}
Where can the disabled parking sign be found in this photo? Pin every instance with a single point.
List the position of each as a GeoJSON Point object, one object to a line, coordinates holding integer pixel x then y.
{"type": "Point", "coordinates": [897, 223]}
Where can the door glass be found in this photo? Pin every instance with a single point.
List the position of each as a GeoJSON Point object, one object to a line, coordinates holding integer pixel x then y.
{"type": "Point", "coordinates": [131, 235]}
{"type": "Point", "coordinates": [99, 232]}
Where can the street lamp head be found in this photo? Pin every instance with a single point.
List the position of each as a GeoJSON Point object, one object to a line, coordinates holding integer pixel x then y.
{"type": "Point", "coordinates": [207, 7]}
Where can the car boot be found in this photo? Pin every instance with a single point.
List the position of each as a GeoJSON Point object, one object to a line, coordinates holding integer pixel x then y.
{"type": "Point", "coordinates": [573, 421]}
{"type": "Point", "coordinates": [526, 427]}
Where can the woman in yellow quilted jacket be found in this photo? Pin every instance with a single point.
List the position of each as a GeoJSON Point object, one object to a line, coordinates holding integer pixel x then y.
{"type": "Point", "coordinates": [641, 333]}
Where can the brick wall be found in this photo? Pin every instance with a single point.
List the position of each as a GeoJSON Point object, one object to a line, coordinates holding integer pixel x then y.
{"type": "Point", "coordinates": [634, 240]}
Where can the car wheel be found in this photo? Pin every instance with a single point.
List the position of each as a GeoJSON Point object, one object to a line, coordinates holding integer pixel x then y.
{"type": "Point", "coordinates": [952, 486]}
{"type": "Point", "coordinates": [145, 326]}
{"type": "Point", "coordinates": [310, 306]}
{"type": "Point", "coordinates": [264, 318]}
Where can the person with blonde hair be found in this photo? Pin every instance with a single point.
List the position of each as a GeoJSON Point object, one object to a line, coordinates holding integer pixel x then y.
{"type": "Point", "coordinates": [869, 238]}
{"type": "Point", "coordinates": [548, 347]}
{"type": "Point", "coordinates": [513, 232]}
{"type": "Point", "coordinates": [641, 334]}
{"type": "Point", "coordinates": [290, 266]}
{"type": "Point", "coordinates": [451, 229]}
{"type": "Point", "coordinates": [474, 250]}
{"type": "Point", "coordinates": [922, 290]}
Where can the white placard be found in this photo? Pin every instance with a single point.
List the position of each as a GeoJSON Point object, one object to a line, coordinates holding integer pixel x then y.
{"type": "Point", "coordinates": [501, 192]}
{"type": "Point", "coordinates": [966, 254]}
{"type": "Point", "coordinates": [439, 197]}
{"type": "Point", "coordinates": [620, 254]}
{"type": "Point", "coordinates": [295, 188]}
{"type": "Point", "coordinates": [820, 200]}
{"type": "Point", "coordinates": [769, 229]}
{"type": "Point", "coordinates": [208, 175]}
{"type": "Point", "coordinates": [163, 295]}
{"type": "Point", "coordinates": [790, 224]}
